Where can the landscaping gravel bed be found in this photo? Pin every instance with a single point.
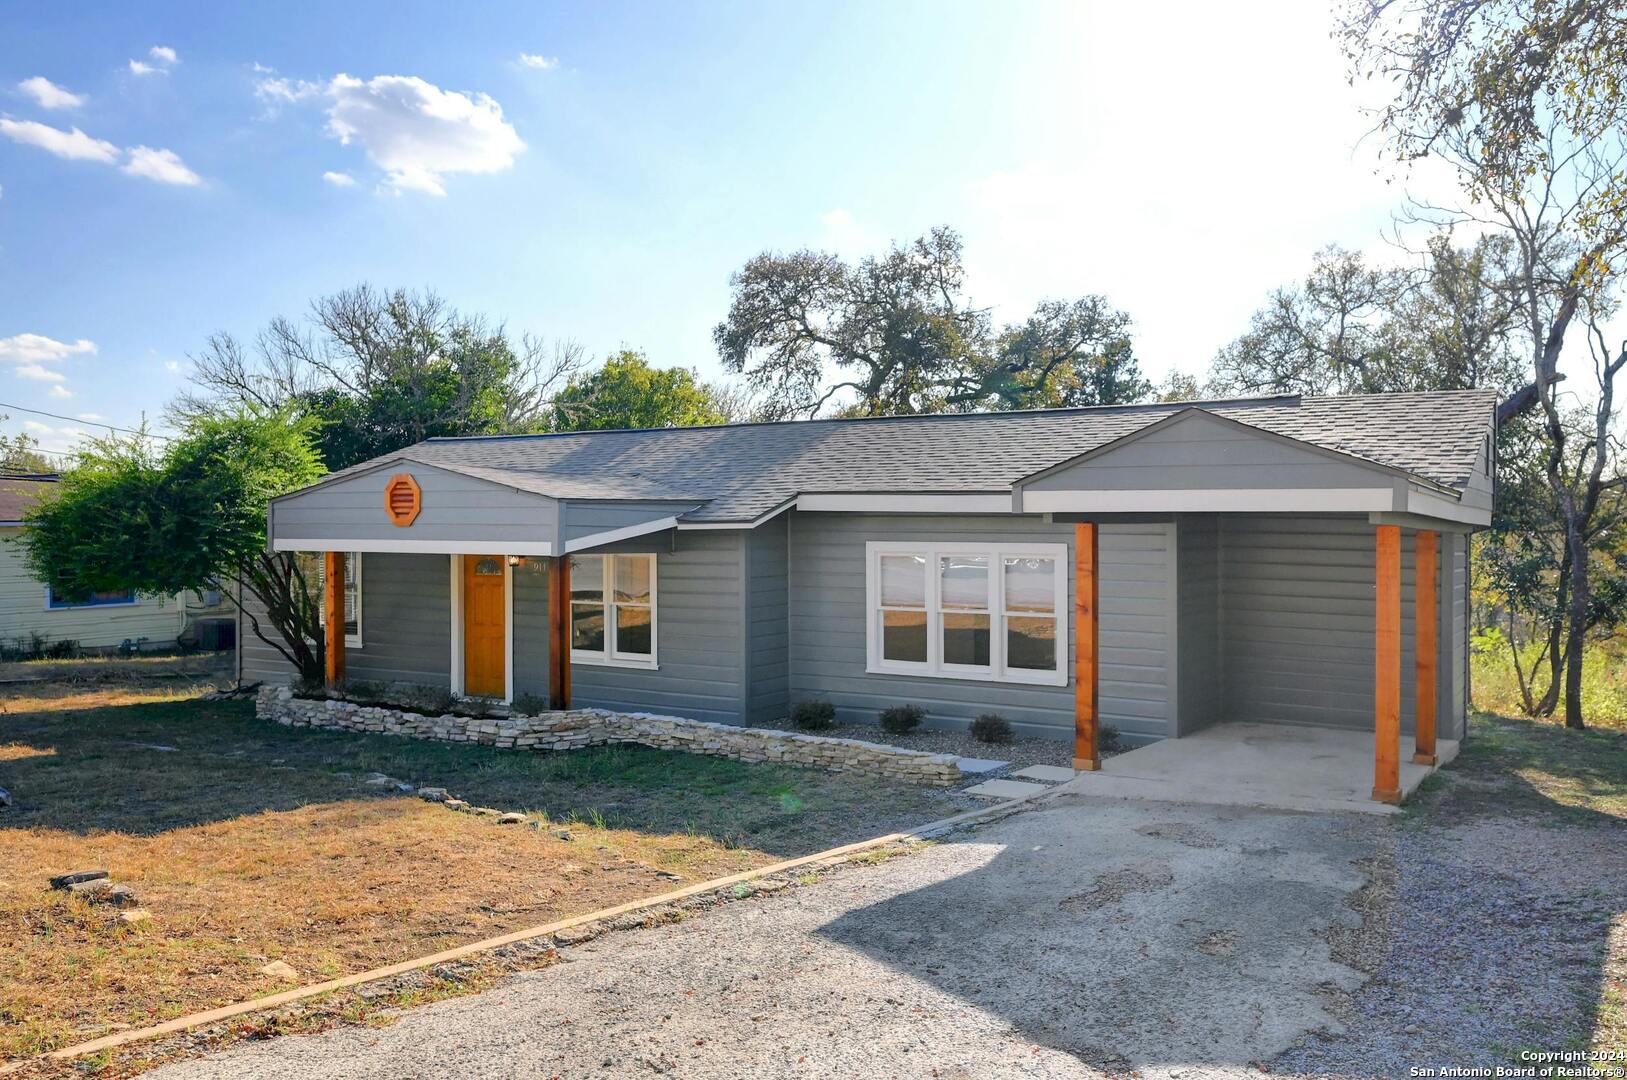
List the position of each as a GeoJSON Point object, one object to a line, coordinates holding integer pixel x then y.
{"type": "Point", "coordinates": [1022, 752]}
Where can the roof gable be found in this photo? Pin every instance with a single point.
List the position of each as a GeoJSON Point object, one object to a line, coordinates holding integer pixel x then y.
{"type": "Point", "coordinates": [1198, 449]}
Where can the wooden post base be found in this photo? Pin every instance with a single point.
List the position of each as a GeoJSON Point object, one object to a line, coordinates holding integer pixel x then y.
{"type": "Point", "coordinates": [1425, 759]}
{"type": "Point", "coordinates": [1084, 764]}
{"type": "Point", "coordinates": [1391, 797]}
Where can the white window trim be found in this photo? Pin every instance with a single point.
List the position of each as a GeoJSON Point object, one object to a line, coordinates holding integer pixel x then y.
{"type": "Point", "coordinates": [609, 657]}
{"type": "Point", "coordinates": [935, 668]}
{"type": "Point", "coordinates": [352, 641]}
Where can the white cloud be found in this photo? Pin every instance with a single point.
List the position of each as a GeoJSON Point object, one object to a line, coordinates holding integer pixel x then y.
{"type": "Point", "coordinates": [339, 179]}
{"type": "Point", "coordinates": [48, 95]}
{"type": "Point", "coordinates": [60, 391]}
{"type": "Point", "coordinates": [261, 69]}
{"type": "Point", "coordinates": [91, 416]}
{"type": "Point", "coordinates": [165, 166]}
{"type": "Point", "coordinates": [539, 61]}
{"type": "Point", "coordinates": [165, 57]}
{"type": "Point", "coordinates": [172, 366]}
{"type": "Point", "coordinates": [32, 348]}
{"type": "Point", "coordinates": [34, 427]}
{"type": "Point", "coordinates": [413, 130]}
{"type": "Point", "coordinates": [40, 373]}
{"type": "Point", "coordinates": [286, 91]}
{"type": "Point", "coordinates": [74, 144]}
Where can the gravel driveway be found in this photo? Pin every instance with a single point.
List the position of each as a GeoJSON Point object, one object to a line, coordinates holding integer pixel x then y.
{"type": "Point", "coordinates": [1087, 934]}
{"type": "Point", "coordinates": [1082, 937]}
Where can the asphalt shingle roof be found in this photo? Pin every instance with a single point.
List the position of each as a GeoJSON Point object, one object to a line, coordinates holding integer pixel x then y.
{"type": "Point", "coordinates": [742, 471]}
{"type": "Point", "coordinates": [18, 494]}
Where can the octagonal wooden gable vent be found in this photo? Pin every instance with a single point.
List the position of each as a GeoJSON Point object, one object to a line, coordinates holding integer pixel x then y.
{"type": "Point", "coordinates": [403, 499]}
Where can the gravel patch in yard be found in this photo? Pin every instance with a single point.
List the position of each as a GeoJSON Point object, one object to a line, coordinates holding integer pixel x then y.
{"type": "Point", "coordinates": [1484, 938]}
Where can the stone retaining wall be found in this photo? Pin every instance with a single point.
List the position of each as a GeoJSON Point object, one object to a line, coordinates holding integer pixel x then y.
{"type": "Point", "coordinates": [596, 727]}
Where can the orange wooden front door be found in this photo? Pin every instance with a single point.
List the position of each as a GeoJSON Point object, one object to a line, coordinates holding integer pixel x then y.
{"type": "Point", "coordinates": [484, 654]}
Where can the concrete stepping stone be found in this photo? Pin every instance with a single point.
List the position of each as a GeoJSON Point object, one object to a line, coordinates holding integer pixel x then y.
{"type": "Point", "coordinates": [1050, 774]}
{"type": "Point", "coordinates": [1005, 789]}
{"type": "Point", "coordinates": [976, 766]}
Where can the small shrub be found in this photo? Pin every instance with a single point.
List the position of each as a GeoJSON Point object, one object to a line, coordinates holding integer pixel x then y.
{"type": "Point", "coordinates": [1108, 739]}
{"type": "Point", "coordinates": [363, 692]}
{"type": "Point", "coordinates": [308, 687]}
{"type": "Point", "coordinates": [814, 715]}
{"type": "Point", "coordinates": [65, 649]}
{"type": "Point", "coordinates": [531, 705]}
{"type": "Point", "coordinates": [433, 700]}
{"type": "Point", "coordinates": [992, 728]}
{"type": "Point", "coordinates": [899, 719]}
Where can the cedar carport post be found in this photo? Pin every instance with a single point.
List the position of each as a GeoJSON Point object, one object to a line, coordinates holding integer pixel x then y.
{"type": "Point", "coordinates": [559, 631]}
{"type": "Point", "coordinates": [1086, 649]}
{"type": "Point", "coordinates": [333, 615]}
{"type": "Point", "coordinates": [1387, 657]}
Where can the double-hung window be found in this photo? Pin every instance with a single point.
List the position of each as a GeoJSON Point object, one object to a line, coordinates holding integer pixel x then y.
{"type": "Point", "coordinates": [968, 611]}
{"type": "Point", "coordinates": [353, 594]}
{"type": "Point", "coordinates": [613, 610]}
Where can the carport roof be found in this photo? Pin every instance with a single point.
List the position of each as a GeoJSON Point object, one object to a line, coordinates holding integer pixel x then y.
{"type": "Point", "coordinates": [739, 472]}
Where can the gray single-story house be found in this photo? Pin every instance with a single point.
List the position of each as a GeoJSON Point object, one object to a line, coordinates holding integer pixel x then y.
{"type": "Point", "coordinates": [1161, 568]}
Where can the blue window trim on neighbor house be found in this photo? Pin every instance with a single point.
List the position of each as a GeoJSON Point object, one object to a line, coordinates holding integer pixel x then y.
{"type": "Point", "coordinates": [127, 598]}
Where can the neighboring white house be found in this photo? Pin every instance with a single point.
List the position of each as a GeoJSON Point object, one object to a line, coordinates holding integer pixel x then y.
{"type": "Point", "coordinates": [28, 611]}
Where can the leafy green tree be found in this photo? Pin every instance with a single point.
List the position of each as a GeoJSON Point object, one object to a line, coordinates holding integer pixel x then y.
{"type": "Point", "coordinates": [1352, 328]}
{"type": "Point", "coordinates": [20, 453]}
{"type": "Point", "coordinates": [1526, 102]}
{"type": "Point", "coordinates": [628, 393]}
{"type": "Point", "coordinates": [383, 370]}
{"type": "Point", "coordinates": [188, 516]}
{"type": "Point", "coordinates": [895, 334]}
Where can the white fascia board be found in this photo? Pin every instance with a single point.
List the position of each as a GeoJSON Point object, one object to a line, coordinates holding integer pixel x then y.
{"type": "Point", "coordinates": [626, 532]}
{"type": "Point", "coordinates": [474, 546]}
{"type": "Point", "coordinates": [1212, 500]}
{"type": "Point", "coordinates": [903, 503]}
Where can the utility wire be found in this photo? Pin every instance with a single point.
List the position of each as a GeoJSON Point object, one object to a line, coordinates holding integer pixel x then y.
{"type": "Point", "coordinates": [77, 420]}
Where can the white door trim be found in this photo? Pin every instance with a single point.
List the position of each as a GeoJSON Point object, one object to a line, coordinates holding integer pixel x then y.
{"type": "Point", "coordinates": [456, 667]}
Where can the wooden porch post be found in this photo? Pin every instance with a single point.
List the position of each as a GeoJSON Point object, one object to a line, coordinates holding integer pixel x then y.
{"type": "Point", "coordinates": [333, 615]}
{"type": "Point", "coordinates": [1425, 635]}
{"type": "Point", "coordinates": [1086, 704]}
{"type": "Point", "coordinates": [559, 631]}
{"type": "Point", "coordinates": [1387, 666]}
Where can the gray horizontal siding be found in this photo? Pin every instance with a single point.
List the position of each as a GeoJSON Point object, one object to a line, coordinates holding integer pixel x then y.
{"type": "Point", "coordinates": [1299, 620]}
{"type": "Point", "coordinates": [455, 507]}
{"type": "Point", "coordinates": [581, 519]}
{"type": "Point", "coordinates": [829, 617]}
{"type": "Point", "coordinates": [768, 628]}
{"type": "Point", "coordinates": [1201, 452]}
{"type": "Point", "coordinates": [698, 637]}
{"type": "Point", "coordinates": [406, 625]}
{"type": "Point", "coordinates": [1200, 697]}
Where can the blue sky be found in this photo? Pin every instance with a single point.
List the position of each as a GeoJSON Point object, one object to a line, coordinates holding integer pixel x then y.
{"type": "Point", "coordinates": [1181, 162]}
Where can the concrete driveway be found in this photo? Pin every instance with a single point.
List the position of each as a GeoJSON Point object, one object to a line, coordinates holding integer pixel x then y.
{"type": "Point", "coordinates": [1086, 935]}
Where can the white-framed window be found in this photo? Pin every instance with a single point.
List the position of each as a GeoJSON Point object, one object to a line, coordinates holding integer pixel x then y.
{"type": "Point", "coordinates": [613, 610]}
{"type": "Point", "coordinates": [968, 611]}
{"type": "Point", "coordinates": [353, 596]}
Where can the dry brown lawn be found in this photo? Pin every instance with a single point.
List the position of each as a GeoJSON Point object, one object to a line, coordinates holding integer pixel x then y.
{"type": "Point", "coordinates": [248, 842]}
